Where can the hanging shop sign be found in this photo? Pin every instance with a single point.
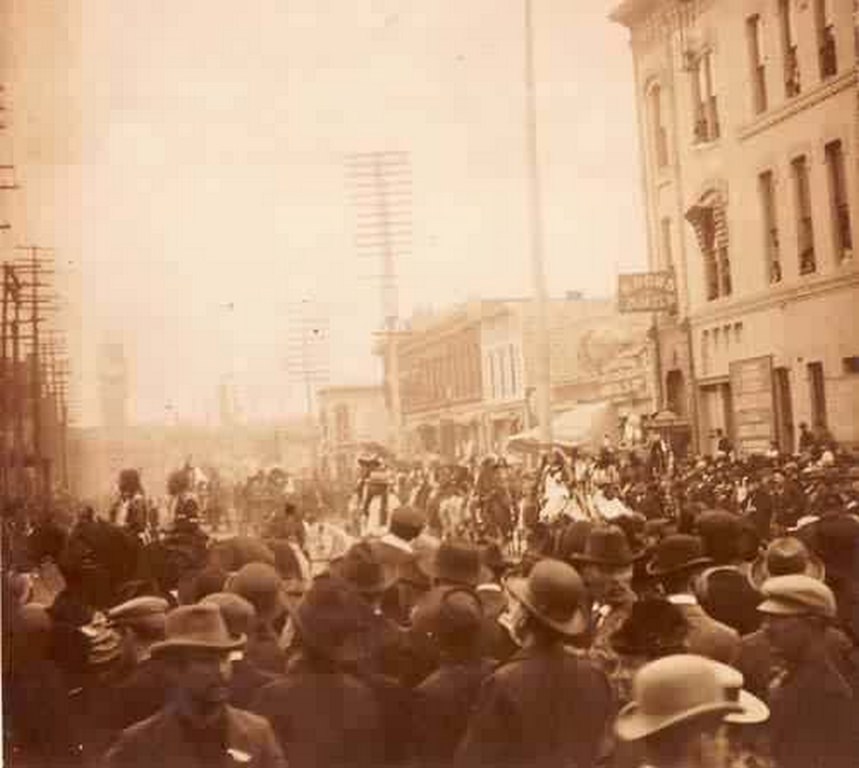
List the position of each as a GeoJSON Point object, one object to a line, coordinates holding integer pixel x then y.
{"type": "Point", "coordinates": [647, 292]}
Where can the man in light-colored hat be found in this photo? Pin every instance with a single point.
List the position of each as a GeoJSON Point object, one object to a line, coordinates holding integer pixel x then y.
{"type": "Point", "coordinates": [679, 706]}
{"type": "Point", "coordinates": [814, 708]}
{"type": "Point", "coordinates": [196, 727]}
{"type": "Point", "coordinates": [545, 706]}
{"type": "Point", "coordinates": [142, 690]}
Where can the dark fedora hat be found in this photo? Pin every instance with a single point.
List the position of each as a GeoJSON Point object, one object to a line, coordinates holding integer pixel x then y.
{"type": "Point", "coordinates": [198, 627]}
{"type": "Point", "coordinates": [607, 545]}
{"type": "Point", "coordinates": [675, 553]}
{"type": "Point", "coordinates": [362, 569]}
{"type": "Point", "coordinates": [333, 620]}
{"type": "Point", "coordinates": [457, 562]}
{"type": "Point", "coordinates": [784, 556]}
{"type": "Point", "coordinates": [653, 628]}
{"type": "Point", "coordinates": [553, 593]}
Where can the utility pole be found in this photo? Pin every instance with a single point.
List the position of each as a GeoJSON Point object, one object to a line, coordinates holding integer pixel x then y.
{"type": "Point", "coordinates": [34, 267]}
{"type": "Point", "coordinates": [535, 221]}
{"type": "Point", "coordinates": [308, 336]}
{"type": "Point", "coordinates": [380, 183]}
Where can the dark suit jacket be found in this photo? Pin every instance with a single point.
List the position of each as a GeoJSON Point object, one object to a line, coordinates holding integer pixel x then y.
{"type": "Point", "coordinates": [814, 719]}
{"type": "Point", "coordinates": [162, 740]}
{"type": "Point", "coordinates": [442, 708]}
{"type": "Point", "coordinates": [759, 664]}
{"type": "Point", "coordinates": [323, 719]}
{"type": "Point", "coordinates": [139, 695]}
{"type": "Point", "coordinates": [542, 708]}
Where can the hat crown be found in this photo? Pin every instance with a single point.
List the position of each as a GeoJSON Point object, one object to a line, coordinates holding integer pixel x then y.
{"type": "Point", "coordinates": [255, 579]}
{"type": "Point", "coordinates": [676, 684]}
{"type": "Point", "coordinates": [457, 561]}
{"type": "Point", "coordinates": [556, 589]}
{"type": "Point", "coordinates": [608, 545]}
{"type": "Point", "coordinates": [361, 567]}
{"type": "Point", "coordinates": [786, 556]}
{"type": "Point", "coordinates": [200, 624]}
{"type": "Point", "coordinates": [798, 594]}
{"type": "Point", "coordinates": [678, 550]}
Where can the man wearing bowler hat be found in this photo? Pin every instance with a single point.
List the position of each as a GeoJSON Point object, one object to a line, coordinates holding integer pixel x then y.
{"type": "Point", "coordinates": [196, 727]}
{"type": "Point", "coordinates": [815, 712]}
{"type": "Point", "coordinates": [677, 558]}
{"type": "Point", "coordinates": [607, 567]}
{"type": "Point", "coordinates": [679, 706]}
{"type": "Point", "coordinates": [546, 706]}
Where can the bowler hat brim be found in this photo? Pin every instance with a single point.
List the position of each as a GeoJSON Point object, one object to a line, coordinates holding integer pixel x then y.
{"type": "Point", "coordinates": [632, 724]}
{"type": "Point", "coordinates": [179, 644]}
{"type": "Point", "coordinates": [583, 559]}
{"type": "Point", "coordinates": [575, 625]}
{"type": "Point", "coordinates": [430, 568]}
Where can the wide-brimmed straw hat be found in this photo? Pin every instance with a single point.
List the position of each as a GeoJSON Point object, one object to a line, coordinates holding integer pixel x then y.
{"type": "Point", "coordinates": [784, 556]}
{"type": "Point", "coordinates": [670, 691]}
{"type": "Point", "coordinates": [553, 593]}
{"type": "Point", "coordinates": [198, 627]}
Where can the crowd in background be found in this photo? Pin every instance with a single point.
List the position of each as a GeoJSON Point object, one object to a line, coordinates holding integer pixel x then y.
{"type": "Point", "coordinates": [621, 608]}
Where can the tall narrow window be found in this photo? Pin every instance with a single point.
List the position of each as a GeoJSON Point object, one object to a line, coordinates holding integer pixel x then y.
{"type": "Point", "coordinates": [838, 201]}
{"type": "Point", "coordinates": [705, 351]}
{"type": "Point", "coordinates": [825, 38]}
{"type": "Point", "coordinates": [766, 188]}
{"type": "Point", "coordinates": [709, 219]}
{"type": "Point", "coordinates": [804, 220]}
{"type": "Point", "coordinates": [756, 62]}
{"type": "Point", "coordinates": [792, 85]}
{"type": "Point", "coordinates": [659, 136]}
{"type": "Point", "coordinates": [514, 383]}
{"type": "Point", "coordinates": [666, 259]}
{"type": "Point", "coordinates": [706, 127]}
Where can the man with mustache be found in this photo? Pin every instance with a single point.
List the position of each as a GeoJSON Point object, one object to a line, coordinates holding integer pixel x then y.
{"type": "Point", "coordinates": [197, 727]}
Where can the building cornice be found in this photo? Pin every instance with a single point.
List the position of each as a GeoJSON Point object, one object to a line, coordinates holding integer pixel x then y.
{"type": "Point", "coordinates": [798, 104]}
{"type": "Point", "coordinates": [840, 280]}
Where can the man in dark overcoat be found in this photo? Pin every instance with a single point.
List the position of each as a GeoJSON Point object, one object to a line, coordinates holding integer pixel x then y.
{"type": "Point", "coordinates": [544, 707]}
{"type": "Point", "coordinates": [197, 728]}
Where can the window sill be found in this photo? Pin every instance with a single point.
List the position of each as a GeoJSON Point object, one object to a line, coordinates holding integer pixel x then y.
{"type": "Point", "coordinates": [795, 104]}
{"type": "Point", "coordinates": [701, 146]}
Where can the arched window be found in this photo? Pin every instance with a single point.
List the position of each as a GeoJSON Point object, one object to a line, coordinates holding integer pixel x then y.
{"type": "Point", "coordinates": [708, 218]}
{"type": "Point", "coordinates": [658, 134]}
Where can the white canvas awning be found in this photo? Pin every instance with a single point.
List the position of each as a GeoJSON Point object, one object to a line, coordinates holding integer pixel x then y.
{"type": "Point", "coordinates": [581, 427]}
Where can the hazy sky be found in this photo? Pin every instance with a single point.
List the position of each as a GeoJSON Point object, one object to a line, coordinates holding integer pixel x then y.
{"type": "Point", "coordinates": [198, 185]}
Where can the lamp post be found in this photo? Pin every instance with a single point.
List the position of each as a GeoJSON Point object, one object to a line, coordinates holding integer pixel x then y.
{"type": "Point", "coordinates": [535, 224]}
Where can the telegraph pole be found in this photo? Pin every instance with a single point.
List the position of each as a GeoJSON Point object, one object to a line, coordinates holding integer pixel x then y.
{"type": "Point", "coordinates": [381, 192]}
{"type": "Point", "coordinates": [535, 221]}
{"type": "Point", "coordinates": [35, 270]}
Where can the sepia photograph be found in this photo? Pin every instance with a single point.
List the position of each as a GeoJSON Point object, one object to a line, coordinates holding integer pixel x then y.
{"type": "Point", "coordinates": [429, 383]}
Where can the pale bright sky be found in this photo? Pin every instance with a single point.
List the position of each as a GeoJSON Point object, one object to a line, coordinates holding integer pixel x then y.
{"type": "Point", "coordinates": [186, 158]}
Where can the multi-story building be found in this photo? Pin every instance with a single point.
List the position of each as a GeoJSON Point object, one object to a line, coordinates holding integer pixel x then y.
{"type": "Point", "coordinates": [468, 378]}
{"type": "Point", "coordinates": [748, 123]}
{"type": "Point", "coordinates": [352, 419]}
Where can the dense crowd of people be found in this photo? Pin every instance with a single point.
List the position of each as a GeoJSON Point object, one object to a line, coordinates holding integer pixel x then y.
{"type": "Point", "coordinates": [619, 609]}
